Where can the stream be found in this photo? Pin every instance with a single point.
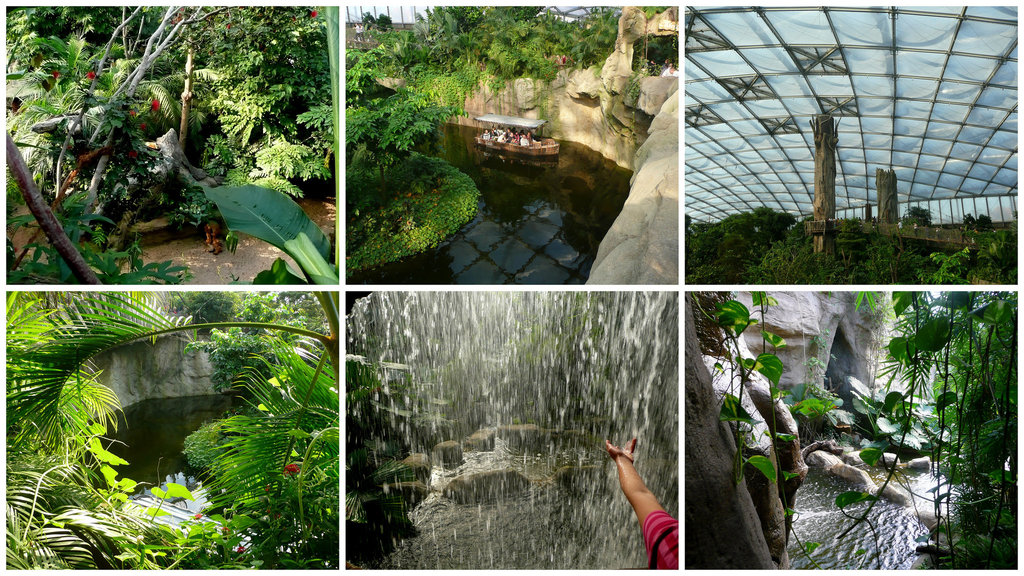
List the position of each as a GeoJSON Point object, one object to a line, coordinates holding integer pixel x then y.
{"type": "Point", "coordinates": [821, 521]}
{"type": "Point", "coordinates": [535, 224]}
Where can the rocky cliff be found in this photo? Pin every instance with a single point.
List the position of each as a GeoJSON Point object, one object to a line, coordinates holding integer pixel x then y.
{"type": "Point", "coordinates": [144, 370]}
{"type": "Point", "coordinates": [828, 340]}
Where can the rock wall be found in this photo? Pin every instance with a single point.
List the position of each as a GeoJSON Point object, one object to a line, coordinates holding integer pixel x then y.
{"type": "Point", "coordinates": [826, 326]}
{"type": "Point", "coordinates": [723, 530]}
{"type": "Point", "coordinates": [642, 246]}
{"type": "Point", "coordinates": [594, 107]}
{"type": "Point", "coordinates": [143, 370]}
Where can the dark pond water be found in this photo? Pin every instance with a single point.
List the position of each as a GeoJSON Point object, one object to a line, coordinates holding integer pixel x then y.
{"type": "Point", "coordinates": [153, 434]}
{"type": "Point", "coordinates": [536, 224]}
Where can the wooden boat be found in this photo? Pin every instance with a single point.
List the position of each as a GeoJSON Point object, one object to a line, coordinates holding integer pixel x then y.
{"type": "Point", "coordinates": [541, 147]}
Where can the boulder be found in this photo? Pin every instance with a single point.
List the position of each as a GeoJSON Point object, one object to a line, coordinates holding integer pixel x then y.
{"type": "Point", "coordinates": [412, 492]}
{"type": "Point", "coordinates": [175, 164]}
{"type": "Point", "coordinates": [449, 453]}
{"type": "Point", "coordinates": [894, 493]}
{"type": "Point", "coordinates": [392, 83]}
{"type": "Point", "coordinates": [821, 459]}
{"type": "Point", "coordinates": [164, 368]}
{"type": "Point", "coordinates": [528, 437]}
{"type": "Point", "coordinates": [922, 463]}
{"type": "Point", "coordinates": [654, 92]}
{"type": "Point", "coordinates": [583, 84]}
{"type": "Point", "coordinates": [886, 461]}
{"type": "Point", "coordinates": [617, 67]}
{"type": "Point", "coordinates": [486, 486]}
{"type": "Point", "coordinates": [642, 245]}
{"type": "Point", "coordinates": [481, 440]}
{"type": "Point", "coordinates": [419, 463]}
{"type": "Point", "coordinates": [852, 458]}
{"type": "Point", "coordinates": [855, 476]}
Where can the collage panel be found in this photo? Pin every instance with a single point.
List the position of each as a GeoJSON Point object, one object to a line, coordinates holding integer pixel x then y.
{"type": "Point", "coordinates": [851, 145]}
{"type": "Point", "coordinates": [494, 145]}
{"type": "Point", "coordinates": [173, 430]}
{"type": "Point", "coordinates": [172, 145]}
{"type": "Point", "coordinates": [512, 430]}
{"type": "Point", "coordinates": [851, 430]}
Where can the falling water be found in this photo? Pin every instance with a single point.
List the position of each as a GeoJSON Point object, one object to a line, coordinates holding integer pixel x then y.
{"type": "Point", "coordinates": [550, 376]}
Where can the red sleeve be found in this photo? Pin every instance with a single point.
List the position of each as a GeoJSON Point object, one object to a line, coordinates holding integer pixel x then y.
{"type": "Point", "coordinates": [656, 524]}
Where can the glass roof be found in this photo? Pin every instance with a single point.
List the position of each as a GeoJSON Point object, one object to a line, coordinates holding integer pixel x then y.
{"type": "Point", "coordinates": [928, 92]}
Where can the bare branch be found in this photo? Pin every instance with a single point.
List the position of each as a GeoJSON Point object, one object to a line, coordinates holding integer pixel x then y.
{"type": "Point", "coordinates": [47, 221]}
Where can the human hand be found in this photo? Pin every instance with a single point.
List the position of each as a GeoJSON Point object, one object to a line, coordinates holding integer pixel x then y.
{"type": "Point", "coordinates": [626, 451]}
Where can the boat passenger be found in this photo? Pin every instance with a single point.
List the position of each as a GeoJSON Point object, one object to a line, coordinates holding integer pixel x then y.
{"type": "Point", "coordinates": [524, 141]}
{"type": "Point", "coordinates": [486, 135]}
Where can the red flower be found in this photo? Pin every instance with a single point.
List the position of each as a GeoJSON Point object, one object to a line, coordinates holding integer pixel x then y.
{"type": "Point", "coordinates": [91, 75]}
{"type": "Point", "coordinates": [56, 74]}
{"type": "Point", "coordinates": [142, 126]}
{"type": "Point", "coordinates": [155, 105]}
{"type": "Point", "coordinates": [291, 469]}
{"type": "Point", "coordinates": [131, 113]}
{"type": "Point", "coordinates": [312, 14]}
{"type": "Point", "coordinates": [133, 154]}
{"type": "Point", "coordinates": [240, 549]}
{"type": "Point", "coordinates": [229, 26]}
{"type": "Point", "coordinates": [198, 516]}
{"type": "Point", "coordinates": [225, 529]}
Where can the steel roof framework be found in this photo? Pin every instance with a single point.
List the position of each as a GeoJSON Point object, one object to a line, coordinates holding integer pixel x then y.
{"type": "Point", "coordinates": [931, 93]}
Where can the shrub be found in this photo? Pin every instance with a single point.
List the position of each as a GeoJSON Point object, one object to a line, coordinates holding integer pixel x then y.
{"type": "Point", "coordinates": [203, 445]}
{"type": "Point", "coordinates": [433, 201]}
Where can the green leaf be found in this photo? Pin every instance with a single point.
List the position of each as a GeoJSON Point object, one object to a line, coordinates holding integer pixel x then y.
{"type": "Point", "coordinates": [732, 411]}
{"type": "Point", "coordinates": [811, 546]}
{"type": "Point", "coordinates": [885, 426]}
{"type": "Point", "coordinates": [959, 299]}
{"type": "Point", "coordinates": [852, 497]}
{"type": "Point", "coordinates": [997, 312]}
{"type": "Point", "coordinates": [933, 335]}
{"type": "Point", "coordinates": [127, 484]}
{"type": "Point", "coordinates": [770, 366]}
{"type": "Point", "coordinates": [178, 491]}
{"type": "Point", "coordinates": [890, 401]}
{"type": "Point", "coordinates": [154, 511]}
{"type": "Point", "coordinates": [871, 455]}
{"type": "Point", "coordinates": [104, 456]}
{"type": "Point", "coordinates": [900, 301]}
{"type": "Point", "coordinates": [308, 257]}
{"type": "Point", "coordinates": [110, 474]}
{"type": "Point", "coordinates": [280, 273]}
{"type": "Point", "coordinates": [860, 552]}
{"type": "Point", "coordinates": [901, 349]}
{"type": "Point", "coordinates": [275, 218]}
{"type": "Point", "coordinates": [158, 492]}
{"type": "Point", "coordinates": [764, 465]}
{"type": "Point", "coordinates": [773, 339]}
{"type": "Point", "coordinates": [785, 437]}
{"type": "Point", "coordinates": [733, 316]}
{"type": "Point", "coordinates": [758, 298]}
{"type": "Point", "coordinates": [947, 398]}
{"type": "Point", "coordinates": [789, 475]}
{"type": "Point", "coordinates": [300, 434]}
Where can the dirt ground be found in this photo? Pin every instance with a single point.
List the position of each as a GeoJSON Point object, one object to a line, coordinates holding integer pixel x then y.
{"type": "Point", "coordinates": [186, 247]}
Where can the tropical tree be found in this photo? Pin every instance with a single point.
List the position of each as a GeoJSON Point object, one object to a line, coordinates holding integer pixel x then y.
{"type": "Point", "coordinates": [58, 416]}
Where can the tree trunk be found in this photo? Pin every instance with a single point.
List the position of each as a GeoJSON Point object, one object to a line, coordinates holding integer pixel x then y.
{"type": "Point", "coordinates": [888, 205]}
{"type": "Point", "coordinates": [825, 140]}
{"type": "Point", "coordinates": [186, 98]}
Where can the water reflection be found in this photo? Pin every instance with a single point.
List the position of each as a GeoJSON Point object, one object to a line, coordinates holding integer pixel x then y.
{"type": "Point", "coordinates": [536, 224]}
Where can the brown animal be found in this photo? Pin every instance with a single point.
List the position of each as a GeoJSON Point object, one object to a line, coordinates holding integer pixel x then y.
{"type": "Point", "coordinates": [213, 241]}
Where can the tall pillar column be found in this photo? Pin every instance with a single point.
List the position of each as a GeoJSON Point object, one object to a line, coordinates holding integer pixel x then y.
{"type": "Point", "coordinates": [888, 204]}
{"type": "Point", "coordinates": [825, 140]}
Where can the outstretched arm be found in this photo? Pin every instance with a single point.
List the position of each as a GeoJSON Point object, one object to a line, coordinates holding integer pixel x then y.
{"type": "Point", "coordinates": [642, 500]}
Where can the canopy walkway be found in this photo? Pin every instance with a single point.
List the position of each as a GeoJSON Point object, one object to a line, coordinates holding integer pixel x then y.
{"type": "Point", "coordinates": [938, 235]}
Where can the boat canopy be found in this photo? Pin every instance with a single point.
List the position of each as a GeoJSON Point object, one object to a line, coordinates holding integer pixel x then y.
{"type": "Point", "coordinates": [511, 121]}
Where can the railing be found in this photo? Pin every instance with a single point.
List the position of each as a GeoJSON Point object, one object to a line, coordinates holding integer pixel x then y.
{"type": "Point", "coordinates": [926, 233]}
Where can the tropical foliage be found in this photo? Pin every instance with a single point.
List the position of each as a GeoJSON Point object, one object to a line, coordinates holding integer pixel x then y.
{"type": "Point", "coordinates": [274, 480]}
{"type": "Point", "coordinates": [247, 90]}
{"type": "Point", "coordinates": [769, 247]}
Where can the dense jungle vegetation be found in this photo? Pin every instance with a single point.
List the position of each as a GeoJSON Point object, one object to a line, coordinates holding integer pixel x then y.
{"type": "Point", "coordinates": [768, 247]}
{"type": "Point", "coordinates": [399, 203]}
{"type": "Point", "coordinates": [947, 390]}
{"type": "Point", "coordinates": [270, 469]}
{"type": "Point", "coordinates": [118, 115]}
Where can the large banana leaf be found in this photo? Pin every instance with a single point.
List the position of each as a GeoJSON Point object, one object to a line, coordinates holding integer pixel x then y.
{"type": "Point", "coordinates": [273, 217]}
